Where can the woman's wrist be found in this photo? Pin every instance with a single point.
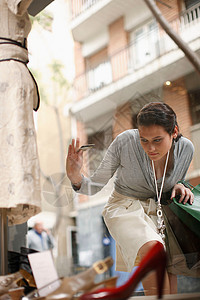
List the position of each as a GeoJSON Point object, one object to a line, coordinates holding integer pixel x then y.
{"type": "Point", "coordinates": [186, 185]}
{"type": "Point", "coordinates": [78, 181]}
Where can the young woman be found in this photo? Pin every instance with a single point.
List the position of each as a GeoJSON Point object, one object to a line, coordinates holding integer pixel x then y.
{"type": "Point", "coordinates": [138, 156]}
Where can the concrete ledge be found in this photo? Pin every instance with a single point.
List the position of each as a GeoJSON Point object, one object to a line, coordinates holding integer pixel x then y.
{"type": "Point", "coordinates": [195, 296]}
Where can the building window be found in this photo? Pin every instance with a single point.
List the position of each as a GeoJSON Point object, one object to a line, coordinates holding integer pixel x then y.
{"type": "Point", "coordinates": [144, 41]}
{"type": "Point", "coordinates": [100, 76]}
{"type": "Point", "coordinates": [194, 97]}
{"type": "Point", "coordinates": [99, 70]}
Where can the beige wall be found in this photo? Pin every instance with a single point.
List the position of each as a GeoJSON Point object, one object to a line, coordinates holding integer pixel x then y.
{"type": "Point", "coordinates": [118, 36]}
{"type": "Point", "coordinates": [172, 12]}
{"type": "Point", "coordinates": [97, 58]}
{"type": "Point", "coordinates": [78, 59]}
{"type": "Point", "coordinates": [176, 96]}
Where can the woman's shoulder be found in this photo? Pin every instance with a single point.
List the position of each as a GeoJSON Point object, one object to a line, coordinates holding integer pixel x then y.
{"type": "Point", "coordinates": [128, 137]}
{"type": "Point", "coordinates": [128, 134]}
{"type": "Point", "coordinates": [185, 144]}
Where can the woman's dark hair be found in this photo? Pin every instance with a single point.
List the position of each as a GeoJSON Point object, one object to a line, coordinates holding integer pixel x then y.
{"type": "Point", "coordinates": [158, 113]}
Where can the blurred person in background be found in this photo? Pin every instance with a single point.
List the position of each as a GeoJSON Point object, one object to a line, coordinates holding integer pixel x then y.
{"type": "Point", "coordinates": [40, 238]}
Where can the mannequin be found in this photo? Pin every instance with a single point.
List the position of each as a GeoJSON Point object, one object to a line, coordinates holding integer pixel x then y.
{"type": "Point", "coordinates": [19, 164]}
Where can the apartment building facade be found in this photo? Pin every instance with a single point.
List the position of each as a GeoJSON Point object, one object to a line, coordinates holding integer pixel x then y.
{"type": "Point", "coordinates": [123, 60]}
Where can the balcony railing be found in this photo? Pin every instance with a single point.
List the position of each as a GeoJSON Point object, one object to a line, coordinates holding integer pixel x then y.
{"type": "Point", "coordinates": [190, 15]}
{"type": "Point", "coordinates": [138, 54]}
{"type": "Point", "coordinates": [80, 6]}
{"type": "Point", "coordinates": [99, 76]}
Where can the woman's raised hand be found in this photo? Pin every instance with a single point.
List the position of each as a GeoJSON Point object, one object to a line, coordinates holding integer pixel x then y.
{"type": "Point", "coordinates": [74, 162]}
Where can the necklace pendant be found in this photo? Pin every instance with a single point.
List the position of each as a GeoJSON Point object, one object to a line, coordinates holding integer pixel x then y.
{"type": "Point", "coordinates": [160, 222]}
{"type": "Point", "coordinates": [162, 236]}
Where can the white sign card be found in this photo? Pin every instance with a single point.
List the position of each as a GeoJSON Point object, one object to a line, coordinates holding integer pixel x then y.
{"type": "Point", "coordinates": [44, 272]}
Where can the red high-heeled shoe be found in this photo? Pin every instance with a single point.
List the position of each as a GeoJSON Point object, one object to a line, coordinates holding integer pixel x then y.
{"type": "Point", "coordinates": [156, 260]}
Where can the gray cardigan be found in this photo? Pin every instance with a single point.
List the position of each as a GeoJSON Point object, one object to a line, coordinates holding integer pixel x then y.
{"type": "Point", "coordinates": [134, 175]}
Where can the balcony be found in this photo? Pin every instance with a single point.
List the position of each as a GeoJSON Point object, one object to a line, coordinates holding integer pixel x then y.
{"type": "Point", "coordinates": [91, 16]}
{"type": "Point", "coordinates": [80, 6]}
{"type": "Point", "coordinates": [137, 69]}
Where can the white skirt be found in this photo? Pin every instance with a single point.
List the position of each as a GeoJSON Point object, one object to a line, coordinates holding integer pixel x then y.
{"type": "Point", "coordinates": [132, 223]}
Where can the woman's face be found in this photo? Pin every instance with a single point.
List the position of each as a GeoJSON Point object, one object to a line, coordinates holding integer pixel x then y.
{"type": "Point", "coordinates": [156, 141]}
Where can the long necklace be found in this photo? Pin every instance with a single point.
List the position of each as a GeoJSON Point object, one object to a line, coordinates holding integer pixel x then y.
{"type": "Point", "coordinates": [160, 220]}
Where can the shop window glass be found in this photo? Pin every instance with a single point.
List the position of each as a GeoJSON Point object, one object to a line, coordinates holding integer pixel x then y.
{"type": "Point", "coordinates": [102, 140]}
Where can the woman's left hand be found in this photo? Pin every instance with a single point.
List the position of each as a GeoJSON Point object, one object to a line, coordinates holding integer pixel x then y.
{"type": "Point", "coordinates": [185, 193]}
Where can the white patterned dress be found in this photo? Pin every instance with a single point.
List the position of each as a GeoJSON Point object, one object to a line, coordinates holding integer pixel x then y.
{"type": "Point", "coordinates": [19, 165]}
